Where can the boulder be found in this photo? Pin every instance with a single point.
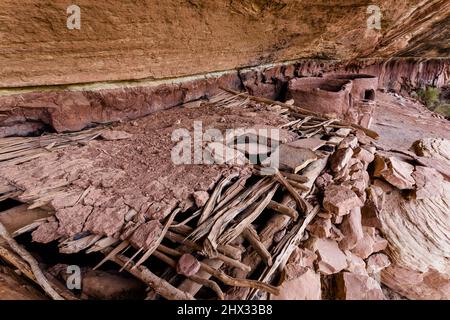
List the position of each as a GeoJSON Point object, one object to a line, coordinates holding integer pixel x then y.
{"type": "Point", "coordinates": [299, 283]}
{"type": "Point", "coordinates": [395, 171]}
{"type": "Point", "coordinates": [331, 259]}
{"type": "Point", "coordinates": [339, 200]}
{"type": "Point", "coordinates": [352, 286]}
{"type": "Point", "coordinates": [351, 229]}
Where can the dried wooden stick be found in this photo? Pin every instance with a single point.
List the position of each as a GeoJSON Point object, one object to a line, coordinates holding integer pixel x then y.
{"type": "Point", "coordinates": [192, 287]}
{"type": "Point", "coordinates": [112, 253]}
{"type": "Point", "coordinates": [245, 283]}
{"type": "Point", "coordinates": [284, 249]}
{"type": "Point", "coordinates": [210, 243]}
{"type": "Point", "coordinates": [297, 185]}
{"type": "Point", "coordinates": [301, 203]}
{"type": "Point", "coordinates": [294, 177]}
{"type": "Point", "coordinates": [161, 286]}
{"type": "Point", "coordinates": [205, 282]}
{"type": "Point", "coordinates": [252, 237]}
{"type": "Point", "coordinates": [40, 278]}
{"type": "Point", "coordinates": [208, 208]}
{"type": "Point", "coordinates": [228, 260]}
{"type": "Point", "coordinates": [156, 243]}
{"type": "Point", "coordinates": [236, 206]}
{"type": "Point", "coordinates": [232, 191]}
{"type": "Point", "coordinates": [234, 231]}
{"type": "Point", "coordinates": [278, 207]}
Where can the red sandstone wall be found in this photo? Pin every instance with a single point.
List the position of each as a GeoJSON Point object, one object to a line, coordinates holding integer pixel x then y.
{"type": "Point", "coordinates": [152, 39]}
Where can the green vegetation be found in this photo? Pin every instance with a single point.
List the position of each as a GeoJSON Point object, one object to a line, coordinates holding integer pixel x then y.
{"type": "Point", "coordinates": [429, 96]}
{"type": "Point", "coordinates": [443, 109]}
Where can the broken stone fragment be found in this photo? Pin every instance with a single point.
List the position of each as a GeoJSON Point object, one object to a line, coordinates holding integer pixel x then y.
{"type": "Point", "coordinates": [146, 234]}
{"type": "Point", "coordinates": [352, 229]}
{"type": "Point", "coordinates": [372, 207]}
{"type": "Point", "coordinates": [355, 264]}
{"type": "Point", "coordinates": [339, 200]}
{"type": "Point", "coordinates": [371, 242]}
{"type": "Point", "coordinates": [320, 228]}
{"type": "Point", "coordinates": [303, 257]}
{"type": "Point", "coordinates": [308, 143]}
{"type": "Point", "coordinates": [340, 159]}
{"type": "Point", "coordinates": [72, 219]}
{"type": "Point", "coordinates": [200, 198]}
{"type": "Point", "coordinates": [331, 259]}
{"type": "Point", "coordinates": [348, 142]}
{"type": "Point", "coordinates": [115, 135]}
{"type": "Point", "coordinates": [294, 159]}
{"type": "Point", "coordinates": [299, 283]}
{"type": "Point", "coordinates": [351, 286]}
{"type": "Point", "coordinates": [377, 262]}
{"type": "Point", "coordinates": [343, 132]}
{"type": "Point", "coordinates": [46, 232]}
{"type": "Point", "coordinates": [324, 180]}
{"type": "Point", "coordinates": [219, 153]}
{"type": "Point", "coordinates": [363, 155]}
{"type": "Point", "coordinates": [395, 171]}
{"type": "Point", "coordinates": [106, 221]}
{"type": "Point", "coordinates": [429, 183]}
{"type": "Point", "coordinates": [188, 265]}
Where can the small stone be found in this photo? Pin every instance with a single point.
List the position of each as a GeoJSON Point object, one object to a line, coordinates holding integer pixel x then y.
{"type": "Point", "coordinates": [294, 159]}
{"type": "Point", "coordinates": [115, 135]}
{"type": "Point", "coordinates": [303, 257]}
{"type": "Point", "coordinates": [145, 235]}
{"type": "Point", "coordinates": [372, 207]}
{"type": "Point", "coordinates": [320, 228]}
{"type": "Point", "coordinates": [46, 232]}
{"type": "Point", "coordinates": [308, 143]}
{"type": "Point", "coordinates": [188, 265]}
{"type": "Point", "coordinates": [395, 171]}
{"type": "Point", "coordinates": [340, 159]}
{"type": "Point", "coordinates": [377, 262]}
{"type": "Point", "coordinates": [352, 230]}
{"type": "Point", "coordinates": [371, 242]}
{"type": "Point", "coordinates": [200, 198]}
{"type": "Point", "coordinates": [299, 283]}
{"type": "Point", "coordinates": [324, 180]}
{"type": "Point", "coordinates": [348, 142]}
{"type": "Point", "coordinates": [351, 286]}
{"type": "Point", "coordinates": [355, 263]}
{"type": "Point", "coordinates": [339, 200]}
{"type": "Point", "coordinates": [331, 259]}
{"type": "Point", "coordinates": [363, 155]}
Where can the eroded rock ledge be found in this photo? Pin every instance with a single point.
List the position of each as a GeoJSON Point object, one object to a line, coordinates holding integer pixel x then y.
{"type": "Point", "coordinates": [25, 111]}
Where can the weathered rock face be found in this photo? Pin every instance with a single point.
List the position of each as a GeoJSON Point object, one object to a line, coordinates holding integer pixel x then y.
{"type": "Point", "coordinates": [162, 39]}
{"type": "Point", "coordinates": [74, 108]}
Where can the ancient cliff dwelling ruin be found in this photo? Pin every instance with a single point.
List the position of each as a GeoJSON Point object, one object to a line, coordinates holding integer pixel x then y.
{"type": "Point", "coordinates": [231, 150]}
